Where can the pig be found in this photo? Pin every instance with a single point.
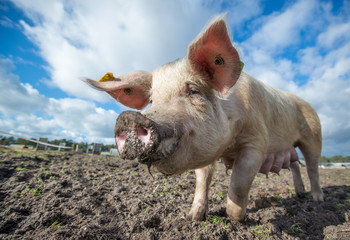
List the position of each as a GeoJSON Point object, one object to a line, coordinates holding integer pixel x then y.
{"type": "Point", "coordinates": [203, 108]}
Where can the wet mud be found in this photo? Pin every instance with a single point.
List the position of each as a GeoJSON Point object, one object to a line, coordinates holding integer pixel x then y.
{"type": "Point", "coordinates": [57, 195]}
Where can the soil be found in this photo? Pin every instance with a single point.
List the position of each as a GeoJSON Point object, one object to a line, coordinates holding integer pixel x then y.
{"type": "Point", "coordinates": [64, 195]}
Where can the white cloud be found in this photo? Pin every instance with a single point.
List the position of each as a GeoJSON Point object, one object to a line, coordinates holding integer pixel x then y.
{"type": "Point", "coordinates": [26, 112]}
{"type": "Point", "coordinates": [324, 62]}
{"type": "Point", "coordinates": [302, 48]}
{"type": "Point", "coordinates": [87, 38]}
{"type": "Point", "coordinates": [280, 30]}
{"type": "Point", "coordinates": [83, 116]}
{"type": "Point", "coordinates": [241, 11]}
{"type": "Point", "coordinates": [16, 97]}
{"type": "Point", "coordinates": [274, 34]}
{"type": "Point", "coordinates": [329, 92]}
{"type": "Point", "coordinates": [334, 34]}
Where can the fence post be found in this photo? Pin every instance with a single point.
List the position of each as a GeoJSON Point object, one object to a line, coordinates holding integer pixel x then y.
{"type": "Point", "coordinates": [41, 146]}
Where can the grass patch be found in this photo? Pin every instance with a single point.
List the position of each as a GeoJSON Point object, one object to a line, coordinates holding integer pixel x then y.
{"type": "Point", "coordinates": [262, 231]}
{"type": "Point", "coordinates": [297, 228]}
{"type": "Point", "coordinates": [33, 191]}
{"type": "Point", "coordinates": [217, 221]}
{"type": "Point", "coordinates": [55, 225]}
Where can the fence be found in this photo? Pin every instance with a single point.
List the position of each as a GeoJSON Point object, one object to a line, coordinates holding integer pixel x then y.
{"type": "Point", "coordinates": [42, 143]}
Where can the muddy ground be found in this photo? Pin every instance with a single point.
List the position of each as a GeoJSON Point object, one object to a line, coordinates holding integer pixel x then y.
{"type": "Point", "coordinates": [55, 195]}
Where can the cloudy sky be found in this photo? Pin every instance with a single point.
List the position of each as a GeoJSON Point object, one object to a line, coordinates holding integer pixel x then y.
{"type": "Point", "coordinates": [46, 47]}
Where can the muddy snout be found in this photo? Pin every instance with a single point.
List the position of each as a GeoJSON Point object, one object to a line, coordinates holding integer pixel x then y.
{"type": "Point", "coordinates": [136, 136]}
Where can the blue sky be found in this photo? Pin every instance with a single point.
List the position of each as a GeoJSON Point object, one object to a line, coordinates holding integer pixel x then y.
{"type": "Point", "coordinates": [46, 47]}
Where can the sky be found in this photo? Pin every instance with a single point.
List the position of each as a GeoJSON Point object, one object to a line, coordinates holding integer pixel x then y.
{"type": "Point", "coordinates": [47, 47]}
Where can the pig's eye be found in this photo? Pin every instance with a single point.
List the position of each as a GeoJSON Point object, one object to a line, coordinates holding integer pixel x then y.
{"type": "Point", "coordinates": [219, 60]}
{"type": "Point", "coordinates": [192, 92]}
{"type": "Point", "coordinates": [128, 91]}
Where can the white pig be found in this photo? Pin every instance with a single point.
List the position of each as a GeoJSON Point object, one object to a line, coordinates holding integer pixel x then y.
{"type": "Point", "coordinates": [204, 107]}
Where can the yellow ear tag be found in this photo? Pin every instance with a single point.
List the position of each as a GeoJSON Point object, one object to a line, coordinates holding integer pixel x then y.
{"type": "Point", "coordinates": [107, 77]}
{"type": "Point", "coordinates": [242, 65]}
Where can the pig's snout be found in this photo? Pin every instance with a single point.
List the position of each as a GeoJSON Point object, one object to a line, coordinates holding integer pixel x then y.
{"type": "Point", "coordinates": [136, 136]}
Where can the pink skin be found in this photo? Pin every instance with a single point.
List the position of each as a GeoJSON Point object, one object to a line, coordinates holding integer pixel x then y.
{"type": "Point", "coordinates": [120, 140]}
{"type": "Point", "coordinates": [143, 134]}
{"type": "Point", "coordinates": [245, 114]}
{"type": "Point", "coordinates": [273, 162]}
{"type": "Point", "coordinates": [129, 89]}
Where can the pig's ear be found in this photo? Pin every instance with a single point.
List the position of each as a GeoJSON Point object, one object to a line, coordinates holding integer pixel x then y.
{"type": "Point", "coordinates": [131, 89]}
{"type": "Point", "coordinates": [212, 56]}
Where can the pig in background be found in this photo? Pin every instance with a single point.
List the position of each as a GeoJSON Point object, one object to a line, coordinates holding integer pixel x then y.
{"type": "Point", "coordinates": [203, 108]}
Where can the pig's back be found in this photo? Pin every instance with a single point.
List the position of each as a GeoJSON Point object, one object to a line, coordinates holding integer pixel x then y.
{"type": "Point", "coordinates": [283, 116]}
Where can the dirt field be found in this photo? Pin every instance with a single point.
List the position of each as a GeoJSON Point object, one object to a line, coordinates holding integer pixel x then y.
{"type": "Point", "coordinates": [54, 195]}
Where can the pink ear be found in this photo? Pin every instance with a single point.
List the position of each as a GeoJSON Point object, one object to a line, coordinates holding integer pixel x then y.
{"type": "Point", "coordinates": [212, 55]}
{"type": "Point", "coordinates": [131, 89]}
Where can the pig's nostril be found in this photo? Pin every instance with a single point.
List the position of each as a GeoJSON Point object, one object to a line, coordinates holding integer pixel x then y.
{"type": "Point", "coordinates": [144, 134]}
{"type": "Point", "coordinates": [120, 140]}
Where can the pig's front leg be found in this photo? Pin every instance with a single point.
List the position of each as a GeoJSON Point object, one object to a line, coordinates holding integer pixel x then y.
{"type": "Point", "coordinates": [199, 208]}
{"type": "Point", "coordinates": [244, 169]}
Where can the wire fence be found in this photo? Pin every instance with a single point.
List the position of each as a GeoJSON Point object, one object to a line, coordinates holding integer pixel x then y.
{"type": "Point", "coordinates": [35, 141]}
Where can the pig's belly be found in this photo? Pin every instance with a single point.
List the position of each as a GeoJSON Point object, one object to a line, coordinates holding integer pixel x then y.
{"type": "Point", "coordinates": [273, 162]}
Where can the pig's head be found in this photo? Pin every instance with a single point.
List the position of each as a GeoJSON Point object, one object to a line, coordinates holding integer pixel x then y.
{"type": "Point", "coordinates": [185, 126]}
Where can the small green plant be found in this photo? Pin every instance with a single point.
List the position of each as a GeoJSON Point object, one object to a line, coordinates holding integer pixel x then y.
{"type": "Point", "coordinates": [45, 158]}
{"type": "Point", "coordinates": [220, 195]}
{"type": "Point", "coordinates": [347, 202]}
{"type": "Point", "coordinates": [55, 225]}
{"type": "Point", "coordinates": [205, 226]}
{"type": "Point", "coordinates": [297, 228]}
{"type": "Point", "coordinates": [278, 199]}
{"type": "Point", "coordinates": [262, 231]}
{"type": "Point", "coordinates": [18, 169]}
{"type": "Point", "coordinates": [181, 184]}
{"type": "Point", "coordinates": [65, 166]}
{"type": "Point", "coordinates": [339, 206]}
{"type": "Point", "coordinates": [35, 191]}
{"type": "Point", "coordinates": [288, 214]}
{"type": "Point", "coordinates": [290, 189]}
{"type": "Point", "coordinates": [215, 220]}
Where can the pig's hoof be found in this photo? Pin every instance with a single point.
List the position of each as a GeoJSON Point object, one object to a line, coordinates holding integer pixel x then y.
{"type": "Point", "coordinates": [317, 196]}
{"type": "Point", "coordinates": [197, 213]}
{"type": "Point", "coordinates": [239, 218]}
{"type": "Point", "coordinates": [235, 215]}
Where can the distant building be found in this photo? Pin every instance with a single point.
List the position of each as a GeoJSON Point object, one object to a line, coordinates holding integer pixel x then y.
{"type": "Point", "coordinates": [95, 148]}
{"type": "Point", "coordinates": [89, 149]}
{"type": "Point", "coordinates": [114, 151]}
{"type": "Point", "coordinates": [18, 146]}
